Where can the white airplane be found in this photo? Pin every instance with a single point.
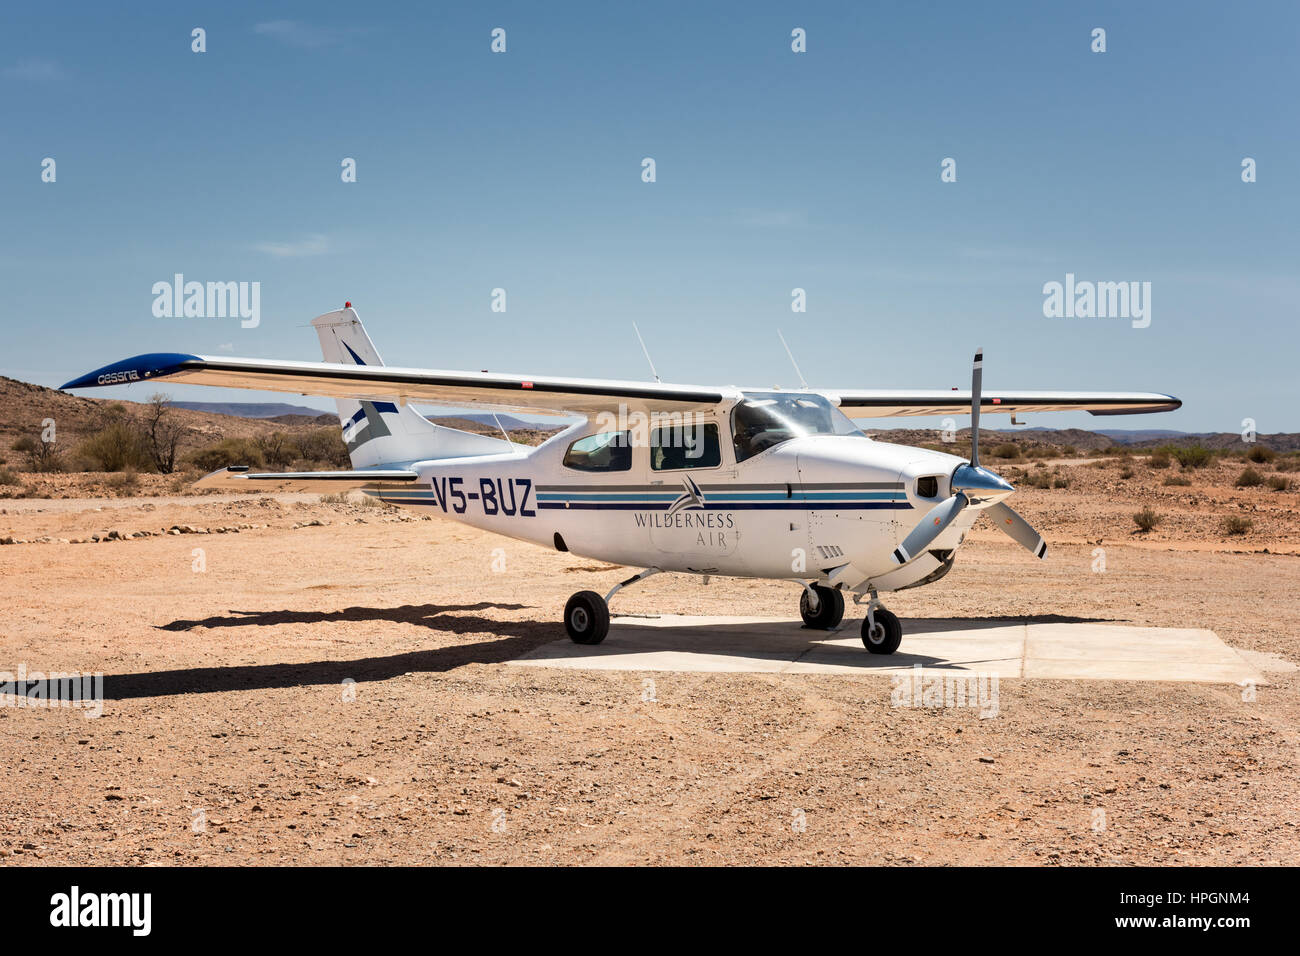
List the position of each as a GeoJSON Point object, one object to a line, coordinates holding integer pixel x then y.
{"type": "Point", "coordinates": [760, 483]}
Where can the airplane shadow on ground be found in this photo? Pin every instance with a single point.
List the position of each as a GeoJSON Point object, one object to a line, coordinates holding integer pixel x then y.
{"type": "Point", "coordinates": [516, 639]}
{"type": "Point", "coordinates": [423, 614]}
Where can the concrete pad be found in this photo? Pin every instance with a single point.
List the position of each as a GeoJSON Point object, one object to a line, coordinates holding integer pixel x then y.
{"type": "Point", "coordinates": [1007, 649]}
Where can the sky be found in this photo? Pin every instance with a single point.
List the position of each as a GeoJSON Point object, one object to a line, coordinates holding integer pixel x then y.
{"type": "Point", "coordinates": [774, 171]}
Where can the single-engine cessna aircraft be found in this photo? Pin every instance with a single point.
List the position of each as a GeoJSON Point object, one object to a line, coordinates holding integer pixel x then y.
{"type": "Point", "coordinates": [732, 481]}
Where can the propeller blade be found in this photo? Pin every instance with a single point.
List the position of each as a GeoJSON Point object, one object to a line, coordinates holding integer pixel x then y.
{"type": "Point", "coordinates": [976, 389]}
{"type": "Point", "coordinates": [931, 526]}
{"type": "Point", "coordinates": [1018, 528]}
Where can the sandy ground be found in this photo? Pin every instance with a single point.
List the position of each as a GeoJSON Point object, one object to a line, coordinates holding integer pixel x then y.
{"type": "Point", "coordinates": [233, 733]}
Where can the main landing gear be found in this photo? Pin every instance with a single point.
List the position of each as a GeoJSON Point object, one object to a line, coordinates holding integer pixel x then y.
{"type": "Point", "coordinates": [586, 616]}
{"type": "Point", "coordinates": [821, 608]}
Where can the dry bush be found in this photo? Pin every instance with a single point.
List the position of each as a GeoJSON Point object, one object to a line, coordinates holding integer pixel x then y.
{"type": "Point", "coordinates": [1180, 481]}
{"type": "Point", "coordinates": [1005, 450]}
{"type": "Point", "coordinates": [228, 451]}
{"type": "Point", "coordinates": [116, 447]}
{"type": "Point", "coordinates": [1249, 478]}
{"type": "Point", "coordinates": [1278, 483]}
{"type": "Point", "coordinates": [1260, 453]}
{"type": "Point", "coordinates": [1192, 456]}
{"type": "Point", "coordinates": [1146, 519]}
{"type": "Point", "coordinates": [1159, 459]}
{"type": "Point", "coordinates": [1236, 524]}
{"type": "Point", "coordinates": [125, 482]}
{"type": "Point", "coordinates": [325, 446]}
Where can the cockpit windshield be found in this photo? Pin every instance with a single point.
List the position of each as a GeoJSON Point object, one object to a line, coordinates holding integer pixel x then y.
{"type": "Point", "coordinates": [762, 420]}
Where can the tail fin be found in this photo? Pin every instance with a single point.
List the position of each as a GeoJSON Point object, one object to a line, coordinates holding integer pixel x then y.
{"type": "Point", "coordinates": [384, 433]}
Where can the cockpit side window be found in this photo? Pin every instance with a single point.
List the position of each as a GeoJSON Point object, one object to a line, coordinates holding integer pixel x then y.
{"type": "Point", "coordinates": [692, 445]}
{"type": "Point", "coordinates": [606, 451]}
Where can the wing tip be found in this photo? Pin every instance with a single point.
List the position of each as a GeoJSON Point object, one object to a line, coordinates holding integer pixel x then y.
{"type": "Point", "coordinates": [138, 368]}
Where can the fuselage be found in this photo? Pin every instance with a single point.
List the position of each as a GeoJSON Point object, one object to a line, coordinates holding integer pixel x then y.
{"type": "Point", "coordinates": [808, 507]}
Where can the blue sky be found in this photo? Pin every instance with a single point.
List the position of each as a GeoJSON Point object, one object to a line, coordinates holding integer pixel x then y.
{"type": "Point", "coordinates": [775, 170]}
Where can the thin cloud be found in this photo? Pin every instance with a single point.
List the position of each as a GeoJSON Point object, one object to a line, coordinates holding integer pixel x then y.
{"type": "Point", "coordinates": [313, 245]}
{"type": "Point", "coordinates": [34, 70]}
{"type": "Point", "coordinates": [296, 33]}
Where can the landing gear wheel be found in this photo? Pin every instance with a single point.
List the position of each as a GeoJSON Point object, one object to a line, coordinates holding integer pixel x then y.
{"type": "Point", "coordinates": [586, 618]}
{"type": "Point", "coordinates": [830, 608]}
{"type": "Point", "coordinates": [885, 637]}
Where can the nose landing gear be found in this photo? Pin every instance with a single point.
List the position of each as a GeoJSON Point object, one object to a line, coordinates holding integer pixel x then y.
{"type": "Point", "coordinates": [882, 632]}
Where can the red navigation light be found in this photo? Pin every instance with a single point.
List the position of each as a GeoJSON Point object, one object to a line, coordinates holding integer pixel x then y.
{"type": "Point", "coordinates": [347, 305]}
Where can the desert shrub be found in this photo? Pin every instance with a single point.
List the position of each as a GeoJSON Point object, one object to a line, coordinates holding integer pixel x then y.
{"type": "Point", "coordinates": [1146, 519]}
{"type": "Point", "coordinates": [1192, 456]}
{"type": "Point", "coordinates": [1287, 464]}
{"type": "Point", "coordinates": [279, 449]}
{"type": "Point", "coordinates": [1278, 483]}
{"type": "Point", "coordinates": [1099, 465]}
{"type": "Point", "coordinates": [1126, 472]}
{"type": "Point", "coordinates": [161, 432]}
{"type": "Point", "coordinates": [1068, 451]}
{"type": "Point", "coordinates": [338, 498]}
{"type": "Point", "coordinates": [1237, 524]}
{"type": "Point", "coordinates": [41, 455]}
{"type": "Point", "coordinates": [1260, 453]}
{"type": "Point", "coordinates": [1179, 480]}
{"type": "Point", "coordinates": [1039, 479]}
{"type": "Point", "coordinates": [1249, 478]}
{"type": "Point", "coordinates": [1159, 459]}
{"type": "Point", "coordinates": [1006, 450]}
{"type": "Point", "coordinates": [116, 447]}
{"type": "Point", "coordinates": [1060, 481]}
{"type": "Point", "coordinates": [325, 445]}
{"type": "Point", "coordinates": [229, 451]}
{"type": "Point", "coordinates": [125, 482]}
{"type": "Point", "coordinates": [7, 477]}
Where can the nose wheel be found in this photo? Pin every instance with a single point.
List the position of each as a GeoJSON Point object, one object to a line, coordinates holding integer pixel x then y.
{"type": "Point", "coordinates": [881, 631]}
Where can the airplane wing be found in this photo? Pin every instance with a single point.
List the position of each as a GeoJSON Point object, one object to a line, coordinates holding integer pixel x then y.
{"type": "Point", "coordinates": [889, 403]}
{"type": "Point", "coordinates": [540, 395]}
{"type": "Point", "coordinates": [239, 478]}
{"type": "Point", "coordinates": [548, 395]}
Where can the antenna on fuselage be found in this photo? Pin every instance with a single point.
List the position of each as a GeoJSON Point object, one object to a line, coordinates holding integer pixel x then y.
{"type": "Point", "coordinates": [646, 351]}
{"type": "Point", "coordinates": [802, 383]}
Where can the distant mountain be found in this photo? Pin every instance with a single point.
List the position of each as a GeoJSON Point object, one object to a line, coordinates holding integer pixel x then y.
{"type": "Point", "coordinates": [508, 422]}
{"type": "Point", "coordinates": [252, 409]}
{"type": "Point", "coordinates": [279, 410]}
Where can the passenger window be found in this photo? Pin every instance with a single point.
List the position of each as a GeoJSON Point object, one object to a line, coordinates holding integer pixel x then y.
{"type": "Point", "coordinates": [685, 446]}
{"type": "Point", "coordinates": [608, 451]}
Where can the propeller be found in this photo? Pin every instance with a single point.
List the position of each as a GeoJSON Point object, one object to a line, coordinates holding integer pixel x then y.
{"type": "Point", "coordinates": [972, 484]}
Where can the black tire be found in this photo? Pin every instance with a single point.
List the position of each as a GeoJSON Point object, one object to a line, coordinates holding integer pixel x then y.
{"type": "Point", "coordinates": [586, 618]}
{"type": "Point", "coordinates": [830, 608]}
{"type": "Point", "coordinates": [889, 633]}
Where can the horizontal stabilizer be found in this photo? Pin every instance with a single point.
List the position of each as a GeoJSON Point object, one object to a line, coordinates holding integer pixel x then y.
{"type": "Point", "coordinates": [239, 478]}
